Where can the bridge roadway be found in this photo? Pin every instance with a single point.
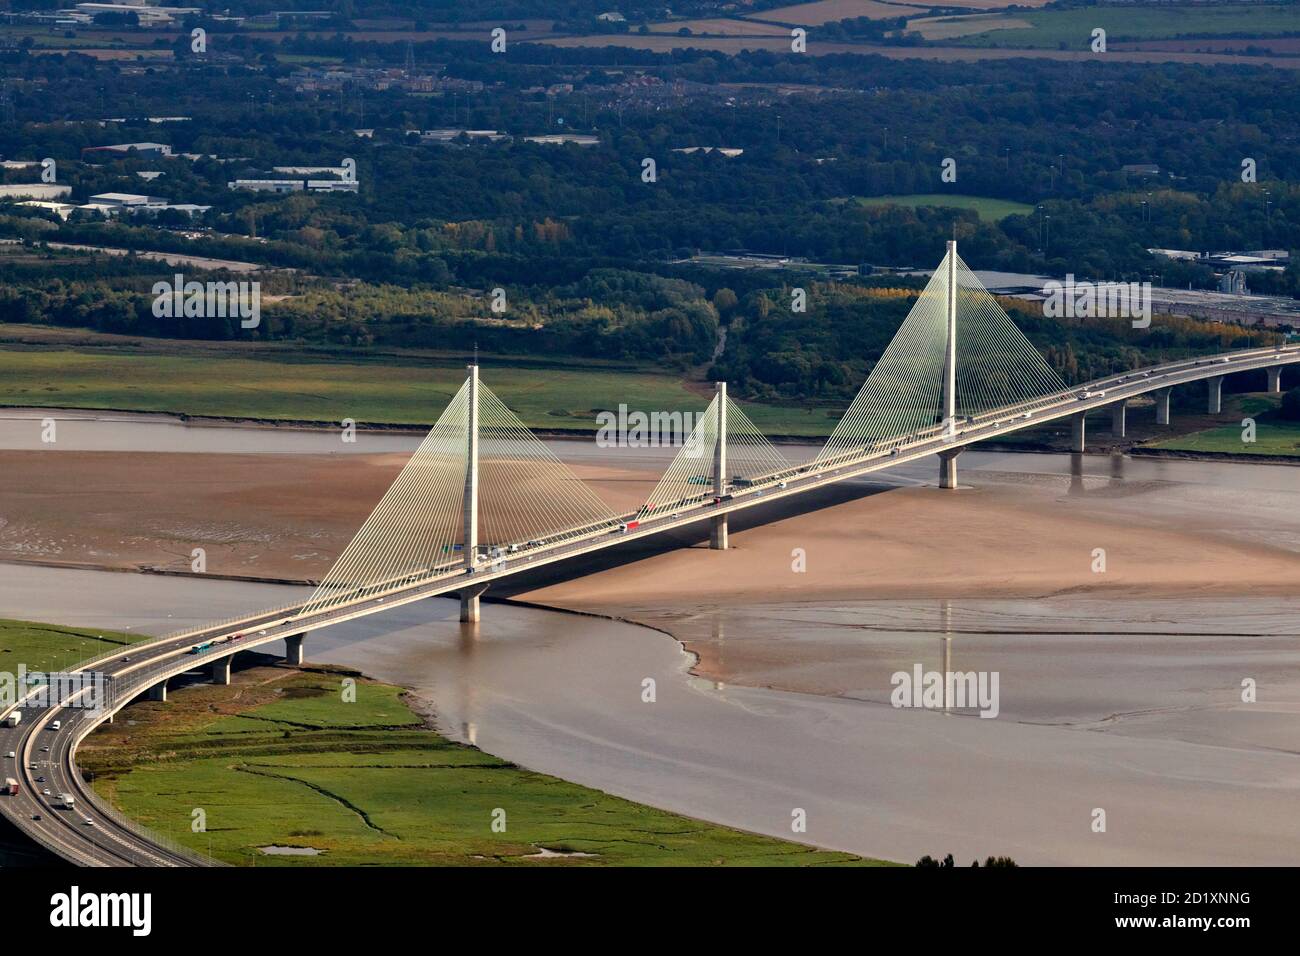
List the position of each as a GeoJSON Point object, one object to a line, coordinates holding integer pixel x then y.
{"type": "Point", "coordinates": [109, 839]}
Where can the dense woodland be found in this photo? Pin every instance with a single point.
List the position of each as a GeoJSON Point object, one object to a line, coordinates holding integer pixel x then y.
{"type": "Point", "coordinates": [592, 257]}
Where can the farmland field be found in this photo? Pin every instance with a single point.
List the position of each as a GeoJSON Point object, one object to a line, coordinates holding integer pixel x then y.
{"type": "Point", "coordinates": [990, 210]}
{"type": "Point", "coordinates": [826, 11]}
{"type": "Point", "coordinates": [721, 27]}
{"type": "Point", "coordinates": [948, 28]}
{"type": "Point", "coordinates": [945, 54]}
{"type": "Point", "coordinates": [1072, 29]}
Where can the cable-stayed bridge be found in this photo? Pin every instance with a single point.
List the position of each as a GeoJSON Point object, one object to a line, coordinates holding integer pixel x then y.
{"type": "Point", "coordinates": [483, 499]}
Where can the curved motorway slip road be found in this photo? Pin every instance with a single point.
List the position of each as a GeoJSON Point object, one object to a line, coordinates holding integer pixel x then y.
{"type": "Point", "coordinates": [92, 834]}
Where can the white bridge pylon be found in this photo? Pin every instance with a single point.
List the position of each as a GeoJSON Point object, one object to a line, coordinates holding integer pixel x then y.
{"type": "Point", "coordinates": [724, 452]}
{"type": "Point", "coordinates": [957, 354]}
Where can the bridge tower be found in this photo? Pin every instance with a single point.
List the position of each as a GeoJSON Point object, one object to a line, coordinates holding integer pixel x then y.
{"type": "Point", "coordinates": [948, 459]}
{"type": "Point", "coordinates": [469, 611]}
{"type": "Point", "coordinates": [718, 525]}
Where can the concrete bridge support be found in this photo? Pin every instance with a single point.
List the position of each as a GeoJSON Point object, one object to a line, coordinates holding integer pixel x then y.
{"type": "Point", "coordinates": [1078, 433]}
{"type": "Point", "coordinates": [1119, 419]}
{"type": "Point", "coordinates": [293, 649]}
{"type": "Point", "coordinates": [221, 670]}
{"type": "Point", "coordinates": [1275, 380]}
{"type": "Point", "coordinates": [1161, 396]}
{"type": "Point", "coordinates": [1215, 404]}
{"type": "Point", "coordinates": [718, 533]}
{"type": "Point", "coordinates": [948, 468]}
{"type": "Point", "coordinates": [469, 604]}
{"type": "Point", "coordinates": [158, 691]}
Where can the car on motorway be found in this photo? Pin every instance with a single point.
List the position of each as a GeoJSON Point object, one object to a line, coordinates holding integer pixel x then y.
{"type": "Point", "coordinates": [10, 754]}
{"type": "Point", "coordinates": [36, 816]}
{"type": "Point", "coordinates": [56, 725]}
{"type": "Point", "coordinates": [86, 821]}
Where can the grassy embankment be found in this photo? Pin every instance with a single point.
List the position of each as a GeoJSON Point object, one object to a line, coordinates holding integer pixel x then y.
{"type": "Point", "coordinates": [278, 758]}
{"type": "Point", "coordinates": [1273, 435]}
{"type": "Point", "coordinates": [396, 389]}
{"type": "Point", "coordinates": [49, 647]}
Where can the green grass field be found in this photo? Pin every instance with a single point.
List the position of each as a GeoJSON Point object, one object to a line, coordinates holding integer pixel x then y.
{"type": "Point", "coordinates": [47, 647]}
{"type": "Point", "coordinates": [1272, 437]}
{"type": "Point", "coordinates": [278, 758]}
{"type": "Point", "coordinates": [1073, 28]}
{"type": "Point", "coordinates": [400, 391]}
{"type": "Point", "coordinates": [990, 210]}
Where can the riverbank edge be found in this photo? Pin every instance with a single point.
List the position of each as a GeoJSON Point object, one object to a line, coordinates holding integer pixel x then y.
{"type": "Point", "coordinates": [396, 428]}
{"type": "Point", "coordinates": [426, 710]}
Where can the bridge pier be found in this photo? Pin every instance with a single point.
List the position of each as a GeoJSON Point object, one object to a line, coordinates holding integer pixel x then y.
{"type": "Point", "coordinates": [1119, 419]}
{"type": "Point", "coordinates": [469, 605]}
{"type": "Point", "coordinates": [1162, 396]}
{"type": "Point", "coordinates": [293, 649]}
{"type": "Point", "coordinates": [718, 533]}
{"type": "Point", "coordinates": [1079, 433]}
{"type": "Point", "coordinates": [948, 467]}
{"type": "Point", "coordinates": [158, 691]}
{"type": "Point", "coordinates": [1215, 404]}
{"type": "Point", "coordinates": [1275, 380]}
{"type": "Point", "coordinates": [221, 670]}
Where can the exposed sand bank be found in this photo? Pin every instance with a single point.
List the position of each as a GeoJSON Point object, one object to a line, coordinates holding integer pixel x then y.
{"type": "Point", "coordinates": [283, 517]}
{"type": "Point", "coordinates": [1010, 536]}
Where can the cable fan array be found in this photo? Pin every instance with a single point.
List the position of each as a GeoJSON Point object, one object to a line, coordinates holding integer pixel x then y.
{"type": "Point", "coordinates": [528, 498]}
{"type": "Point", "coordinates": [689, 479]}
{"type": "Point", "coordinates": [412, 532]}
{"type": "Point", "coordinates": [996, 366]}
